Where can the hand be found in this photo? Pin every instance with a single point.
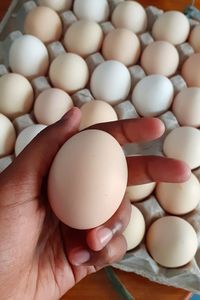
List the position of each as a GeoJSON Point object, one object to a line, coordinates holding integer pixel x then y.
{"type": "Point", "coordinates": [40, 258]}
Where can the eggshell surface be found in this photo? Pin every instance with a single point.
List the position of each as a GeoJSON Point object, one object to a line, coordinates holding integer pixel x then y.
{"type": "Point", "coordinates": [7, 136]}
{"type": "Point", "coordinates": [96, 112]}
{"type": "Point", "coordinates": [29, 57]}
{"type": "Point", "coordinates": [44, 23]}
{"type": "Point", "coordinates": [194, 39]}
{"type": "Point", "coordinates": [153, 95]}
{"type": "Point", "coordinates": [69, 72]}
{"type": "Point", "coordinates": [172, 242]}
{"type": "Point", "coordinates": [135, 230]}
{"type": "Point", "coordinates": [172, 26]}
{"type": "Point", "coordinates": [93, 10]}
{"type": "Point", "coordinates": [179, 198]}
{"type": "Point", "coordinates": [186, 107]}
{"type": "Point", "coordinates": [130, 15]}
{"type": "Point", "coordinates": [191, 70]}
{"type": "Point", "coordinates": [154, 60]}
{"type": "Point", "coordinates": [111, 82]}
{"type": "Point", "coordinates": [83, 38]}
{"type": "Point", "coordinates": [16, 95]}
{"type": "Point", "coordinates": [87, 180]}
{"type": "Point", "coordinates": [26, 136]}
{"type": "Point", "coordinates": [184, 143]}
{"type": "Point", "coordinates": [51, 105]}
{"type": "Point", "coordinates": [57, 5]}
{"type": "Point", "coordinates": [123, 45]}
{"type": "Point", "coordinates": [137, 193]}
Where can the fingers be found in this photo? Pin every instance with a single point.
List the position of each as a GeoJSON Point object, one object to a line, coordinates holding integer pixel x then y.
{"type": "Point", "coordinates": [37, 157]}
{"type": "Point", "coordinates": [133, 130]}
{"type": "Point", "coordinates": [144, 169]}
{"type": "Point", "coordinates": [113, 252]}
{"type": "Point", "coordinates": [99, 237]}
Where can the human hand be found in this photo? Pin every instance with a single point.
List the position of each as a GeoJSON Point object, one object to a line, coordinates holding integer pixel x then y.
{"type": "Point", "coordinates": [41, 258]}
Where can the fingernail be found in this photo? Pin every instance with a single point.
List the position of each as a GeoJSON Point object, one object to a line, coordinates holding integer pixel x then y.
{"type": "Point", "coordinates": [80, 257]}
{"type": "Point", "coordinates": [104, 236]}
{"type": "Point", "coordinates": [68, 115]}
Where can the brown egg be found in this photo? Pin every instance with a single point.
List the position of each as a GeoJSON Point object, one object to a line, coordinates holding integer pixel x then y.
{"type": "Point", "coordinates": [44, 23]}
{"type": "Point", "coordinates": [194, 39]}
{"type": "Point", "coordinates": [191, 70]}
{"type": "Point", "coordinates": [160, 58]}
{"type": "Point", "coordinates": [84, 38]}
{"type": "Point", "coordinates": [122, 45]}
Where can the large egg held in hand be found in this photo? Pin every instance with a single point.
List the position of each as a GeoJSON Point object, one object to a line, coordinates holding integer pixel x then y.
{"type": "Point", "coordinates": [87, 180]}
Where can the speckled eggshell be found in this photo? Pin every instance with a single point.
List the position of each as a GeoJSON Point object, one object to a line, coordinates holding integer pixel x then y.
{"type": "Point", "coordinates": [96, 111]}
{"type": "Point", "coordinates": [51, 105]}
{"type": "Point", "coordinates": [87, 180]}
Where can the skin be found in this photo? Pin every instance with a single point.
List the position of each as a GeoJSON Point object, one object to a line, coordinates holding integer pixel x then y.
{"type": "Point", "coordinates": [41, 258]}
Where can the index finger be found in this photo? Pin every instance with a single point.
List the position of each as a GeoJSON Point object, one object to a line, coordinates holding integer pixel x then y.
{"type": "Point", "coordinates": [133, 130]}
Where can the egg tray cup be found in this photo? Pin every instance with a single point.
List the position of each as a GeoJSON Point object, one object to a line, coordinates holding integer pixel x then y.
{"type": "Point", "coordinates": [137, 261]}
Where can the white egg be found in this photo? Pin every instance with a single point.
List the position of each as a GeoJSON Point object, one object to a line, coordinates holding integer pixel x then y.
{"type": "Point", "coordinates": [111, 82]}
{"type": "Point", "coordinates": [28, 56]}
{"type": "Point", "coordinates": [26, 136]}
{"type": "Point", "coordinates": [179, 198]}
{"type": "Point", "coordinates": [7, 136]}
{"type": "Point", "coordinates": [57, 5]}
{"type": "Point", "coordinates": [184, 143]}
{"type": "Point", "coordinates": [137, 193]}
{"type": "Point", "coordinates": [93, 10]}
{"type": "Point", "coordinates": [135, 230]}
{"type": "Point", "coordinates": [153, 95]}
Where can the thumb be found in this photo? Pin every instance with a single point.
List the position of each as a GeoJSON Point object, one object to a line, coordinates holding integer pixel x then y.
{"type": "Point", "coordinates": [33, 164]}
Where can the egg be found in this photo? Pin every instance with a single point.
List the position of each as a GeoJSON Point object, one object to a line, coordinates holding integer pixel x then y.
{"type": "Point", "coordinates": [28, 56]}
{"type": "Point", "coordinates": [191, 70]}
{"type": "Point", "coordinates": [58, 5]}
{"type": "Point", "coordinates": [135, 230]}
{"type": "Point", "coordinates": [186, 107]}
{"type": "Point", "coordinates": [184, 143]}
{"type": "Point", "coordinates": [51, 105]}
{"type": "Point", "coordinates": [16, 97]}
{"type": "Point", "coordinates": [69, 72]}
{"type": "Point", "coordinates": [137, 193]}
{"type": "Point", "coordinates": [93, 10]}
{"type": "Point", "coordinates": [179, 198]}
{"type": "Point", "coordinates": [153, 95]}
{"type": "Point", "coordinates": [111, 82]}
{"type": "Point", "coordinates": [122, 45]}
{"type": "Point", "coordinates": [87, 180]}
{"type": "Point", "coordinates": [83, 37]}
{"type": "Point", "coordinates": [44, 23]}
{"type": "Point", "coordinates": [172, 26]}
{"type": "Point", "coordinates": [130, 15]}
{"type": "Point", "coordinates": [194, 38]}
{"type": "Point", "coordinates": [172, 242]}
{"type": "Point", "coordinates": [95, 112]}
{"type": "Point", "coordinates": [154, 60]}
{"type": "Point", "coordinates": [26, 136]}
{"type": "Point", "coordinates": [7, 136]}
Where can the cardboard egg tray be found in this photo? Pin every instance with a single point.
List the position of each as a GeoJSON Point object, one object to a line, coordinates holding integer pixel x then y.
{"type": "Point", "coordinates": [138, 260]}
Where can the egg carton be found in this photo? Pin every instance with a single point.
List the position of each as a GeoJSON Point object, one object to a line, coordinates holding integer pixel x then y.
{"type": "Point", "coordinates": [138, 261]}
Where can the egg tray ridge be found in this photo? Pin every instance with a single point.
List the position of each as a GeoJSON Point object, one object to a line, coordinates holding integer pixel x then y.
{"type": "Point", "coordinates": [138, 260]}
